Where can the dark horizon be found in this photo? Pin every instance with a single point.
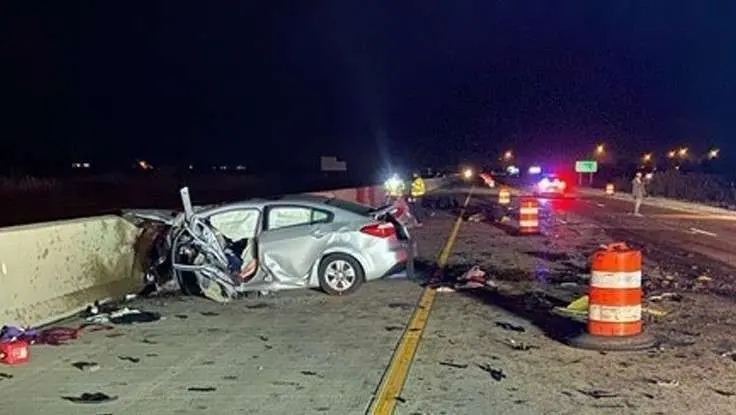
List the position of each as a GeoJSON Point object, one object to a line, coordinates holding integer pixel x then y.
{"type": "Point", "coordinates": [377, 85]}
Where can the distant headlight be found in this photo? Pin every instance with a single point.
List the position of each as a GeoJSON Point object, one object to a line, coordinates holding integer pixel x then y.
{"type": "Point", "coordinates": [468, 173]}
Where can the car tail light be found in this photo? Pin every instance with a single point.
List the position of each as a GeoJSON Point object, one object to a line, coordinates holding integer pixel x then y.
{"type": "Point", "coordinates": [379, 230]}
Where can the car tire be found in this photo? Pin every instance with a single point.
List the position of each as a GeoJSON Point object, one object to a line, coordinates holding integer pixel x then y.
{"type": "Point", "coordinates": [337, 263]}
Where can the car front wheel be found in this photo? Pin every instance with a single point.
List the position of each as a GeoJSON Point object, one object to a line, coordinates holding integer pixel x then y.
{"type": "Point", "coordinates": [340, 274]}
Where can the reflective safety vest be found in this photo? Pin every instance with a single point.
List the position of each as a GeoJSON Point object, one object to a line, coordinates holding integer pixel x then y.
{"type": "Point", "coordinates": [417, 187]}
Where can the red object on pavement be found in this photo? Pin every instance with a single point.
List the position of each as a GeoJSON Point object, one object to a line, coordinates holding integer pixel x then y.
{"type": "Point", "coordinates": [14, 353]}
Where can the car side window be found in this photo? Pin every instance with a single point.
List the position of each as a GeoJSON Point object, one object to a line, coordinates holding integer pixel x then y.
{"type": "Point", "coordinates": [287, 216]}
{"type": "Point", "coordinates": [284, 216]}
{"type": "Point", "coordinates": [237, 224]}
{"type": "Point", "coordinates": [320, 216]}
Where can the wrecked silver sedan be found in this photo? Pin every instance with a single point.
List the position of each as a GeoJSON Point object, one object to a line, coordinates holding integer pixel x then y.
{"type": "Point", "coordinates": [265, 245]}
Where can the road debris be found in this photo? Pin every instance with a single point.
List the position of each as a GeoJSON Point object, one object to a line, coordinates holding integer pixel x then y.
{"type": "Point", "coordinates": [664, 383]}
{"type": "Point", "coordinates": [511, 327]}
{"type": "Point", "coordinates": [723, 392]}
{"type": "Point", "coordinates": [97, 397]}
{"type": "Point", "coordinates": [9, 334]}
{"type": "Point", "coordinates": [665, 296]}
{"type": "Point", "coordinates": [476, 217]}
{"type": "Point", "coordinates": [521, 346]}
{"type": "Point", "coordinates": [496, 374]}
{"type": "Point", "coordinates": [598, 393]}
{"type": "Point", "coordinates": [87, 366]}
{"type": "Point", "coordinates": [455, 365]}
{"type": "Point", "coordinates": [122, 316]}
{"type": "Point", "coordinates": [130, 359]}
{"type": "Point", "coordinates": [201, 389]}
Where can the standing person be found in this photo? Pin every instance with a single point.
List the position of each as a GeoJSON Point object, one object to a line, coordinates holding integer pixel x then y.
{"type": "Point", "coordinates": [417, 193]}
{"type": "Point", "coordinates": [638, 190]}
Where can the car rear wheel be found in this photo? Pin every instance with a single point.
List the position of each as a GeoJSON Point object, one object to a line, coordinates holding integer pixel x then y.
{"type": "Point", "coordinates": [340, 274]}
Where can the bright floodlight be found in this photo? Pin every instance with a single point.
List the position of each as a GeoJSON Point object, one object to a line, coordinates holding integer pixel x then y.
{"type": "Point", "coordinates": [468, 173]}
{"type": "Point", "coordinates": [393, 182]}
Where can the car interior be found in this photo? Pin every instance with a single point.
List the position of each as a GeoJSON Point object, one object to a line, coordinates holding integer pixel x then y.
{"type": "Point", "coordinates": [237, 233]}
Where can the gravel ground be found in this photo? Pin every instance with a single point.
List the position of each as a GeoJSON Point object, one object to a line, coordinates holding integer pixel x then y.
{"type": "Point", "coordinates": [687, 374]}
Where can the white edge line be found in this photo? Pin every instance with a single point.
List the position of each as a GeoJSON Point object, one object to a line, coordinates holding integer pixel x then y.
{"type": "Point", "coordinates": [696, 230]}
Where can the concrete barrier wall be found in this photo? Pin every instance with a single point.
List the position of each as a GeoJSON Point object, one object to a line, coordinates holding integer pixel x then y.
{"type": "Point", "coordinates": [51, 270]}
{"type": "Point", "coordinates": [54, 269]}
{"type": "Point", "coordinates": [375, 195]}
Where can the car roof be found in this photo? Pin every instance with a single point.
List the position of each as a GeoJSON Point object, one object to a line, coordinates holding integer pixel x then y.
{"type": "Point", "coordinates": [313, 200]}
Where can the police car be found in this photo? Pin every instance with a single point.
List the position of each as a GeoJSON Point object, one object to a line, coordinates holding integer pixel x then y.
{"type": "Point", "coordinates": [551, 185]}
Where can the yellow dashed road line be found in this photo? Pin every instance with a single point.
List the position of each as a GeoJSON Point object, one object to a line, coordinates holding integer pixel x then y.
{"type": "Point", "coordinates": [392, 384]}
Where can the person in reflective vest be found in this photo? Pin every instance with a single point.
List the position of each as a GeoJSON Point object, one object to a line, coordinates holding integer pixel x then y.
{"type": "Point", "coordinates": [417, 193]}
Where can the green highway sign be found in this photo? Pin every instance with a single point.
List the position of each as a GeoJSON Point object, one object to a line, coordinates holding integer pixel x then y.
{"type": "Point", "coordinates": [586, 166]}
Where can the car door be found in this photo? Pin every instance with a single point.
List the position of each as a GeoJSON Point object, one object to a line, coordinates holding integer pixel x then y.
{"type": "Point", "coordinates": [293, 239]}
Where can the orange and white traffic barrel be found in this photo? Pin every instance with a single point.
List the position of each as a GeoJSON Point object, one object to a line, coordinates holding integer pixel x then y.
{"type": "Point", "coordinates": [610, 189]}
{"type": "Point", "coordinates": [529, 217]}
{"type": "Point", "coordinates": [504, 196]}
{"type": "Point", "coordinates": [615, 302]}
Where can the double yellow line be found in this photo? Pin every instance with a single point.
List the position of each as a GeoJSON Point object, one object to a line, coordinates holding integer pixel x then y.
{"type": "Point", "coordinates": [384, 402]}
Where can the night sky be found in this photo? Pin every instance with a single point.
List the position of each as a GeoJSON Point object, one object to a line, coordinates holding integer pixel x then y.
{"type": "Point", "coordinates": [372, 82]}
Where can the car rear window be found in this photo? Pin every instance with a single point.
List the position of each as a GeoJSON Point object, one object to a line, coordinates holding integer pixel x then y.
{"type": "Point", "coordinates": [356, 208]}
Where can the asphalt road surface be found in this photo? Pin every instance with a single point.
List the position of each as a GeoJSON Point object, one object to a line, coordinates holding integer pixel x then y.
{"type": "Point", "coordinates": [399, 346]}
{"type": "Point", "coordinates": [711, 235]}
